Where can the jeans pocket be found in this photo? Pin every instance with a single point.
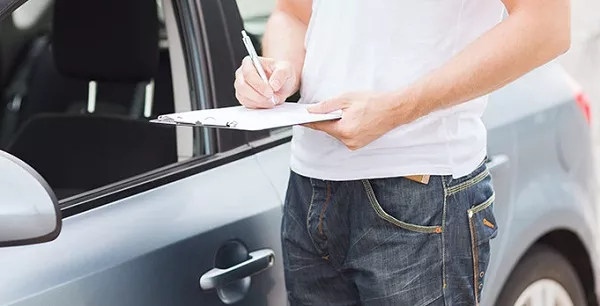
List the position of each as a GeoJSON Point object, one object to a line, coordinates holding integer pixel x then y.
{"type": "Point", "coordinates": [406, 204]}
{"type": "Point", "coordinates": [483, 228]}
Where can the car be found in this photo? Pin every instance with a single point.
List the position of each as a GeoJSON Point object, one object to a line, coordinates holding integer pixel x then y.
{"type": "Point", "coordinates": [164, 215]}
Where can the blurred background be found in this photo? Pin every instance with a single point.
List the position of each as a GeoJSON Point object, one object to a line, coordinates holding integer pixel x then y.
{"type": "Point", "coordinates": [582, 61]}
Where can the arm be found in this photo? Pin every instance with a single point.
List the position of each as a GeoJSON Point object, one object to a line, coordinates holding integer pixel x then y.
{"type": "Point", "coordinates": [283, 57]}
{"type": "Point", "coordinates": [286, 29]}
{"type": "Point", "coordinates": [535, 32]}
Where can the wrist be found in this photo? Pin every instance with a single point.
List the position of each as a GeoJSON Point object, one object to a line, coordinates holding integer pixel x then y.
{"type": "Point", "coordinates": [405, 107]}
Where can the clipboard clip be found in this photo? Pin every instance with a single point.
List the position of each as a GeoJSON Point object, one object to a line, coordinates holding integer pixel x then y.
{"type": "Point", "coordinates": [211, 121]}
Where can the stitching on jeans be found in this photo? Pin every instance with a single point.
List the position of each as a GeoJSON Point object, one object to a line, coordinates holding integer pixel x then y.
{"type": "Point", "coordinates": [312, 198]}
{"type": "Point", "coordinates": [384, 215]}
{"type": "Point", "coordinates": [475, 253]}
{"type": "Point", "coordinates": [467, 184]}
{"type": "Point", "coordinates": [443, 236]}
{"type": "Point", "coordinates": [474, 244]}
{"type": "Point", "coordinates": [484, 205]}
{"type": "Point", "coordinates": [323, 209]}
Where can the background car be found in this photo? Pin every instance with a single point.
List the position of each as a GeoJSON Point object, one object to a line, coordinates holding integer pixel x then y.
{"type": "Point", "coordinates": [155, 215]}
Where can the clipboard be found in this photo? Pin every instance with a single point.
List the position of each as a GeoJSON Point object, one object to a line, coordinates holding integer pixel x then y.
{"type": "Point", "coordinates": [243, 118]}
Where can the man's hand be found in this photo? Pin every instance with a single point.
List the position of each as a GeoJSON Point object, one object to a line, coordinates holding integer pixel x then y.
{"type": "Point", "coordinates": [252, 92]}
{"type": "Point", "coordinates": [365, 117]}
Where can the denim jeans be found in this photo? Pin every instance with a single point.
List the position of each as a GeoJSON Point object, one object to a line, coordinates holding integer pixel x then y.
{"type": "Point", "coordinates": [389, 241]}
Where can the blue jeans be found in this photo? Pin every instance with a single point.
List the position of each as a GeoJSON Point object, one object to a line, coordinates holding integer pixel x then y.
{"type": "Point", "coordinates": [389, 241]}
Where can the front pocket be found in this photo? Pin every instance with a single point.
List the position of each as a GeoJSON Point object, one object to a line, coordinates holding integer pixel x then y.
{"type": "Point", "coordinates": [483, 228]}
{"type": "Point", "coordinates": [396, 190]}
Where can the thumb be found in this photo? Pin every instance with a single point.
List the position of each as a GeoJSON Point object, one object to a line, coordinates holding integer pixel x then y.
{"type": "Point", "coordinates": [327, 106]}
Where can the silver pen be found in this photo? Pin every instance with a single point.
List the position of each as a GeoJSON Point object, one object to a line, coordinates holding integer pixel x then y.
{"type": "Point", "coordinates": [255, 60]}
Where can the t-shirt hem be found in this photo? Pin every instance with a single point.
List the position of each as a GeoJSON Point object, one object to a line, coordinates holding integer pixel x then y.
{"type": "Point", "coordinates": [337, 174]}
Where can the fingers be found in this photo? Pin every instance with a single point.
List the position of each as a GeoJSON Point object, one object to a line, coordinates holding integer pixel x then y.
{"type": "Point", "coordinates": [337, 130]}
{"type": "Point", "coordinates": [248, 96]}
{"type": "Point", "coordinates": [253, 91]}
{"type": "Point", "coordinates": [253, 79]}
{"type": "Point", "coordinates": [328, 106]}
{"type": "Point", "coordinates": [329, 127]}
{"type": "Point", "coordinates": [250, 90]}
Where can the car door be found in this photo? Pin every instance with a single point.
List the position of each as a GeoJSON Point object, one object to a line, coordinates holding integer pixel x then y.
{"type": "Point", "coordinates": [501, 164]}
{"type": "Point", "coordinates": [202, 231]}
{"type": "Point", "coordinates": [154, 248]}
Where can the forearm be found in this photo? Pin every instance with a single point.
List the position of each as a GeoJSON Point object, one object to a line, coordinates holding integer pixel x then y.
{"type": "Point", "coordinates": [284, 40]}
{"type": "Point", "coordinates": [522, 42]}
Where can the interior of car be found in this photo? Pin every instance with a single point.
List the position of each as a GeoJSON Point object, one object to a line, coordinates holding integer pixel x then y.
{"type": "Point", "coordinates": [78, 89]}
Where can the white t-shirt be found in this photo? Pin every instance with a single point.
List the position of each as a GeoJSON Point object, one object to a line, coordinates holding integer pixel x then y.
{"type": "Point", "coordinates": [383, 45]}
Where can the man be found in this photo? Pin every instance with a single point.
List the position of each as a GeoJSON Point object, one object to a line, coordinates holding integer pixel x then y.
{"type": "Point", "coordinates": [392, 204]}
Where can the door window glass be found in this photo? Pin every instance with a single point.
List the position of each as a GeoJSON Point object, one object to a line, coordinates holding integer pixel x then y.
{"type": "Point", "coordinates": [78, 110]}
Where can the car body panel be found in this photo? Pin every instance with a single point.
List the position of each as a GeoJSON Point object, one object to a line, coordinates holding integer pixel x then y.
{"type": "Point", "coordinates": [152, 248]}
{"type": "Point", "coordinates": [275, 163]}
{"type": "Point", "coordinates": [543, 196]}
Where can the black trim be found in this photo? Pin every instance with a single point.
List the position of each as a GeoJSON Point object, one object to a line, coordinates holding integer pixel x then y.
{"type": "Point", "coordinates": [192, 53]}
{"type": "Point", "coordinates": [160, 177]}
{"type": "Point", "coordinates": [50, 236]}
{"type": "Point", "coordinates": [196, 64]}
{"type": "Point", "coordinates": [222, 63]}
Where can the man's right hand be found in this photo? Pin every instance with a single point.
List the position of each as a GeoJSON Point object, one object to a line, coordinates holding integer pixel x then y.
{"type": "Point", "coordinates": [252, 92]}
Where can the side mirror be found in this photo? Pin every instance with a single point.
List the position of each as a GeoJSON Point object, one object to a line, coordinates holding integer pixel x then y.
{"type": "Point", "coordinates": [29, 211]}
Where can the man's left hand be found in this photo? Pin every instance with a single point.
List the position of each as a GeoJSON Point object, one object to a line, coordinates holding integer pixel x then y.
{"type": "Point", "coordinates": [366, 116]}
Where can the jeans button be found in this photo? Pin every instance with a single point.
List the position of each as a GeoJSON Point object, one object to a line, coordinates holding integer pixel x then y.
{"type": "Point", "coordinates": [481, 274]}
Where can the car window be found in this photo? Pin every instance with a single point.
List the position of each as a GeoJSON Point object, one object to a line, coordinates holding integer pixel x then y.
{"type": "Point", "coordinates": [81, 117]}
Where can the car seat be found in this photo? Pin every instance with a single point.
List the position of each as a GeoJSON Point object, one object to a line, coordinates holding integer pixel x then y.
{"type": "Point", "coordinates": [112, 41]}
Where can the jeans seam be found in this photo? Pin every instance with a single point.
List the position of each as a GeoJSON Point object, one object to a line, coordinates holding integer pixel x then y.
{"type": "Point", "coordinates": [472, 182]}
{"type": "Point", "coordinates": [443, 236]}
{"type": "Point", "coordinates": [387, 217]}
{"type": "Point", "coordinates": [475, 251]}
{"type": "Point", "coordinates": [484, 205]}
{"type": "Point", "coordinates": [474, 244]}
{"type": "Point", "coordinates": [308, 213]}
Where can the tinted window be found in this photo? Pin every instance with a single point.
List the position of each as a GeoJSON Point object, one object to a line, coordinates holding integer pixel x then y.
{"type": "Point", "coordinates": [81, 117]}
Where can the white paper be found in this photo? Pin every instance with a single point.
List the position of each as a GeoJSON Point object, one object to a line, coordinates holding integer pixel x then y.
{"type": "Point", "coordinates": [242, 118]}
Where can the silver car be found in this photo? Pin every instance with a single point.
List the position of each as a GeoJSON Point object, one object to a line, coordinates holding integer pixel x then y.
{"type": "Point", "coordinates": [101, 207]}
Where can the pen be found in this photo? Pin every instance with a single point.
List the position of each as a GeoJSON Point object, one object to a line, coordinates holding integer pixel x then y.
{"type": "Point", "coordinates": [255, 59]}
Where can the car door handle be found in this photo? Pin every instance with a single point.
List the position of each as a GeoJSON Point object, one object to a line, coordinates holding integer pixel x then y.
{"type": "Point", "coordinates": [496, 161]}
{"type": "Point", "coordinates": [259, 261]}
